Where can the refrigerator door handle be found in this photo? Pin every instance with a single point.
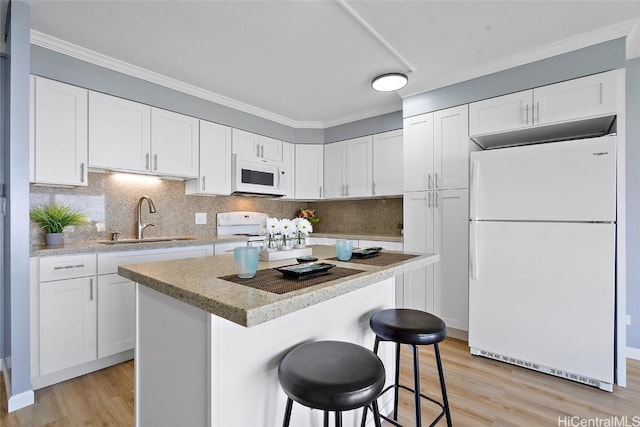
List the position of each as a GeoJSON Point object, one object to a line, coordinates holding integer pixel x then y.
{"type": "Point", "coordinates": [475, 181]}
{"type": "Point", "coordinates": [473, 250]}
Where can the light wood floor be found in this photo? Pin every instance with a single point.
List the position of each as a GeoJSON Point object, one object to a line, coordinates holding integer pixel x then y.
{"type": "Point", "coordinates": [481, 392]}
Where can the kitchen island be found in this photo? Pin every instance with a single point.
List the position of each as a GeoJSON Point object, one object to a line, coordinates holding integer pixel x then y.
{"type": "Point", "coordinates": [207, 349]}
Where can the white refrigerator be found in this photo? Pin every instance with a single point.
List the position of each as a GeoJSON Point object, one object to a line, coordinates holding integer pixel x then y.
{"type": "Point", "coordinates": [542, 257]}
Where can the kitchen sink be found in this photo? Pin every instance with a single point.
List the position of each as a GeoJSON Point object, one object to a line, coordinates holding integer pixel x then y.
{"type": "Point", "coordinates": [147, 240]}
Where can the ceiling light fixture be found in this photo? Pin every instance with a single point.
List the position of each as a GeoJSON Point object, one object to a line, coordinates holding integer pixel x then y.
{"type": "Point", "coordinates": [389, 82]}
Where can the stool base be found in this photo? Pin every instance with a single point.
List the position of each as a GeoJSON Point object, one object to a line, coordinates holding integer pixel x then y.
{"type": "Point", "coordinates": [444, 405]}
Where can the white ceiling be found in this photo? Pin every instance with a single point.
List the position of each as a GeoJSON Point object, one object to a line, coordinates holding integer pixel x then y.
{"type": "Point", "coordinates": [310, 63]}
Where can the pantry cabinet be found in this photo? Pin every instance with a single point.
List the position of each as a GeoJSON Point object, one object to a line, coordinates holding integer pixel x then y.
{"type": "Point", "coordinates": [58, 146]}
{"type": "Point", "coordinates": [308, 171]}
{"type": "Point", "coordinates": [119, 134]}
{"type": "Point", "coordinates": [436, 150]}
{"type": "Point", "coordinates": [214, 174]}
{"type": "Point", "coordinates": [387, 163]}
{"type": "Point", "coordinates": [438, 221]}
{"type": "Point", "coordinates": [586, 97]}
{"type": "Point", "coordinates": [348, 168]}
{"type": "Point", "coordinates": [251, 145]}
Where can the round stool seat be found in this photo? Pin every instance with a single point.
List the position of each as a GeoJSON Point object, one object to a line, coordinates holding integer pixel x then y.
{"type": "Point", "coordinates": [408, 326]}
{"type": "Point", "coordinates": [331, 375]}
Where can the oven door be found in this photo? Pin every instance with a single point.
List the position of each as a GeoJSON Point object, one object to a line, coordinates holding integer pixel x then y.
{"type": "Point", "coordinates": [257, 177]}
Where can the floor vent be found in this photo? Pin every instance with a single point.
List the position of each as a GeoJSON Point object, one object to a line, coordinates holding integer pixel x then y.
{"type": "Point", "coordinates": [541, 368]}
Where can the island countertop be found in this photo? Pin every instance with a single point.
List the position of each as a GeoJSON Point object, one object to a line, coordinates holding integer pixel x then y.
{"type": "Point", "coordinates": [196, 281]}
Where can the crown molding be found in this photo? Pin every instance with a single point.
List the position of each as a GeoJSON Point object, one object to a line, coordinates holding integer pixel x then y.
{"type": "Point", "coordinates": [57, 45]}
{"type": "Point", "coordinates": [563, 46]}
{"type": "Point", "coordinates": [363, 115]}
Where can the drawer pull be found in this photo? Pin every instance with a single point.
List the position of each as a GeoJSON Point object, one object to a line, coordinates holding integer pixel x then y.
{"type": "Point", "coordinates": [67, 267]}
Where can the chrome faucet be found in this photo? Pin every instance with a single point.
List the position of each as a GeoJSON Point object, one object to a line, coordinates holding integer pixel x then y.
{"type": "Point", "coordinates": [141, 225]}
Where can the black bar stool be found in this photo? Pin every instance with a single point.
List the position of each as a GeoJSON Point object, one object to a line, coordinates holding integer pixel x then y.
{"type": "Point", "coordinates": [412, 327]}
{"type": "Point", "coordinates": [332, 376]}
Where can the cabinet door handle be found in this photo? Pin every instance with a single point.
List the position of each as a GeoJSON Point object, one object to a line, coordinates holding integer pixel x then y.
{"type": "Point", "coordinates": [347, 187]}
{"type": "Point", "coordinates": [82, 173]}
{"type": "Point", "coordinates": [262, 151]}
{"type": "Point", "coordinates": [429, 200]}
{"type": "Point", "coordinates": [436, 181]}
{"type": "Point", "coordinates": [321, 192]}
{"type": "Point", "coordinates": [155, 162]}
{"type": "Point", "coordinates": [526, 115]}
{"type": "Point", "coordinates": [435, 199]}
{"type": "Point", "coordinates": [373, 188]}
{"type": "Point", "coordinates": [257, 150]}
{"type": "Point", "coordinates": [537, 111]}
{"type": "Point", "coordinates": [203, 186]}
{"type": "Point", "coordinates": [429, 181]}
{"type": "Point", "coordinates": [147, 162]}
{"type": "Point", "coordinates": [90, 289]}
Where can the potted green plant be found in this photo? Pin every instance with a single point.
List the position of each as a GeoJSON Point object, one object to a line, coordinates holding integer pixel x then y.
{"type": "Point", "coordinates": [53, 218]}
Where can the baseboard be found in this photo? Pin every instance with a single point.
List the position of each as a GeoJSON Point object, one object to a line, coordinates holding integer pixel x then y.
{"type": "Point", "coordinates": [633, 353]}
{"type": "Point", "coordinates": [76, 371]}
{"type": "Point", "coordinates": [458, 334]}
{"type": "Point", "coordinates": [20, 400]}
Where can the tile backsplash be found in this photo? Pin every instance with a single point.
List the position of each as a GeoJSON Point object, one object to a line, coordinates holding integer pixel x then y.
{"type": "Point", "coordinates": [110, 200]}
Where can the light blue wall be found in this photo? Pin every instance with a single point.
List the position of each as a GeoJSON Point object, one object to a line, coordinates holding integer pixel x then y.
{"type": "Point", "coordinates": [56, 66]}
{"type": "Point", "coordinates": [378, 124]}
{"type": "Point", "coordinates": [632, 167]}
{"type": "Point", "coordinates": [16, 167]}
{"type": "Point", "coordinates": [579, 63]}
{"type": "Point", "coordinates": [4, 137]}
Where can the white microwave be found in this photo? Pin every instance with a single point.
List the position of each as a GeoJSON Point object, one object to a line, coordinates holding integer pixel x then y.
{"type": "Point", "coordinates": [258, 177]}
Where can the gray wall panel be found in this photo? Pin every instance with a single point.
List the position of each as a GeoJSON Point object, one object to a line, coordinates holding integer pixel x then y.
{"type": "Point", "coordinates": [16, 165]}
{"type": "Point", "coordinates": [56, 66]}
{"type": "Point", "coordinates": [590, 60]}
{"type": "Point", "coordinates": [632, 157]}
{"type": "Point", "coordinates": [378, 124]}
{"type": "Point", "coordinates": [309, 136]}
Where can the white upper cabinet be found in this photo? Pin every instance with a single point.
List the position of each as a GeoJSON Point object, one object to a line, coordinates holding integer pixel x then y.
{"type": "Point", "coordinates": [250, 145]}
{"type": "Point", "coordinates": [308, 171]}
{"type": "Point", "coordinates": [436, 150]}
{"type": "Point", "coordinates": [119, 134]}
{"type": "Point", "coordinates": [582, 98]}
{"type": "Point", "coordinates": [215, 161]}
{"type": "Point", "coordinates": [451, 148]}
{"type": "Point", "coordinates": [417, 152]}
{"type": "Point", "coordinates": [174, 143]}
{"type": "Point", "coordinates": [335, 163]}
{"type": "Point", "coordinates": [58, 133]}
{"type": "Point", "coordinates": [387, 163]}
{"type": "Point", "coordinates": [287, 183]}
{"type": "Point", "coordinates": [348, 168]}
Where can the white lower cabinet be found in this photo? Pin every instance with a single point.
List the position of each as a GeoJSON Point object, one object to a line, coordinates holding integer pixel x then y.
{"type": "Point", "coordinates": [83, 312]}
{"type": "Point", "coordinates": [116, 314]}
{"type": "Point", "coordinates": [67, 323]}
{"type": "Point", "coordinates": [439, 223]}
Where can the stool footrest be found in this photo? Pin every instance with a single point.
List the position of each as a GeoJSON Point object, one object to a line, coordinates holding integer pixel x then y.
{"type": "Point", "coordinates": [394, 386]}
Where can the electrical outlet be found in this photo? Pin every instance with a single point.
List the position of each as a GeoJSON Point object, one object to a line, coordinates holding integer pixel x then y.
{"type": "Point", "coordinates": [201, 218]}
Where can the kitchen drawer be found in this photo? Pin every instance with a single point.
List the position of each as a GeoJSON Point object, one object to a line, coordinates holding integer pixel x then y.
{"type": "Point", "coordinates": [67, 267]}
{"type": "Point", "coordinates": [227, 248]}
{"type": "Point", "coordinates": [108, 262]}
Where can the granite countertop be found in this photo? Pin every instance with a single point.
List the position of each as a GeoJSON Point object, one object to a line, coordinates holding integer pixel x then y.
{"type": "Point", "coordinates": [394, 238]}
{"type": "Point", "coordinates": [95, 246]}
{"type": "Point", "coordinates": [195, 281]}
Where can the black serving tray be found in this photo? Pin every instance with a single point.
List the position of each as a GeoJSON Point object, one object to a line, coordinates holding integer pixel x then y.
{"type": "Point", "coordinates": [305, 271]}
{"type": "Point", "coordinates": [366, 252]}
